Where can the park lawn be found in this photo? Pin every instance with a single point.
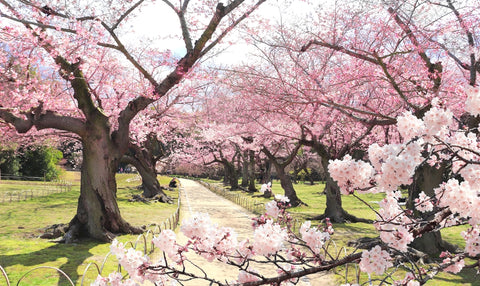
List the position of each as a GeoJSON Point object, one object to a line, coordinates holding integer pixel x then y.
{"type": "Point", "coordinates": [345, 232]}
{"type": "Point", "coordinates": [21, 250]}
{"type": "Point", "coordinates": [313, 196]}
{"type": "Point", "coordinates": [14, 185]}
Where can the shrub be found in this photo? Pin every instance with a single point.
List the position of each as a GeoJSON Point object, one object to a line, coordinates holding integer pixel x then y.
{"type": "Point", "coordinates": [40, 161]}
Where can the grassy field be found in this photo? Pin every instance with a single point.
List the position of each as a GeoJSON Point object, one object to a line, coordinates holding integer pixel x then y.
{"type": "Point", "coordinates": [316, 200]}
{"type": "Point", "coordinates": [21, 223]}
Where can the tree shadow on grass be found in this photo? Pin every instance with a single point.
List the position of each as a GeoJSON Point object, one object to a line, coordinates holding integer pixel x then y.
{"type": "Point", "coordinates": [468, 276]}
{"type": "Point", "coordinates": [75, 255]}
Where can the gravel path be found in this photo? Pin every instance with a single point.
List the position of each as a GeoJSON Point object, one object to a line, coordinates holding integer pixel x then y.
{"type": "Point", "coordinates": [196, 198]}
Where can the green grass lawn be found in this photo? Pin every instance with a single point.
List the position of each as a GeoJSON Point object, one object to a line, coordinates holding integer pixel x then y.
{"type": "Point", "coordinates": [316, 200]}
{"type": "Point", "coordinates": [21, 222]}
{"type": "Point", "coordinates": [21, 251]}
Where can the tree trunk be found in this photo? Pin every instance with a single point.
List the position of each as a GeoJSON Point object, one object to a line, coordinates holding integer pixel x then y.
{"type": "Point", "coordinates": [266, 172]}
{"type": "Point", "coordinates": [232, 176]}
{"type": "Point", "coordinates": [251, 172]}
{"type": "Point", "coordinates": [98, 215]}
{"type": "Point", "coordinates": [309, 175]}
{"type": "Point", "coordinates": [150, 185]}
{"type": "Point", "coordinates": [245, 173]}
{"type": "Point", "coordinates": [426, 179]}
{"type": "Point", "coordinates": [334, 210]}
{"type": "Point", "coordinates": [287, 186]}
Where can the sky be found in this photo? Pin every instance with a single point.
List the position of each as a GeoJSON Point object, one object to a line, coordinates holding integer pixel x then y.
{"type": "Point", "coordinates": [159, 19]}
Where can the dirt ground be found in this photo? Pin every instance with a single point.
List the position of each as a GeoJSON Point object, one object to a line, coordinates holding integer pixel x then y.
{"type": "Point", "coordinates": [196, 198]}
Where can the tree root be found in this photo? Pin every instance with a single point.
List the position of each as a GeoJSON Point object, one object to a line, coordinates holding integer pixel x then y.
{"type": "Point", "coordinates": [77, 230]}
{"type": "Point", "coordinates": [161, 198]}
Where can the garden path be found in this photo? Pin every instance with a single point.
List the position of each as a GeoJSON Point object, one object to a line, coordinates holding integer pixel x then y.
{"type": "Point", "coordinates": [197, 198]}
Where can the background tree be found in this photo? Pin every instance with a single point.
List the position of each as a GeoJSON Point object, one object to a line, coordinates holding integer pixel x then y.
{"type": "Point", "coordinates": [409, 49]}
{"type": "Point", "coordinates": [40, 161]}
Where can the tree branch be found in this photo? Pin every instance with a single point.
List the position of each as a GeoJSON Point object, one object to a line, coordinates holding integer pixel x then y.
{"type": "Point", "coordinates": [128, 12]}
{"type": "Point", "coordinates": [233, 25]}
{"type": "Point", "coordinates": [340, 49]}
{"type": "Point", "coordinates": [42, 120]}
{"type": "Point", "coordinates": [471, 42]}
{"type": "Point", "coordinates": [324, 267]}
{"type": "Point", "coordinates": [435, 69]}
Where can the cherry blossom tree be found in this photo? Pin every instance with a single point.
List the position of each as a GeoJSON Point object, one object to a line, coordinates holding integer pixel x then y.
{"type": "Point", "coordinates": [246, 128]}
{"type": "Point", "coordinates": [282, 98]}
{"type": "Point", "coordinates": [100, 83]}
{"type": "Point", "coordinates": [401, 78]}
{"type": "Point", "coordinates": [410, 48]}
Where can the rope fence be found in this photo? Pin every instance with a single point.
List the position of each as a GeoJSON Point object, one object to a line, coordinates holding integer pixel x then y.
{"type": "Point", "coordinates": [246, 202]}
{"type": "Point", "coordinates": [243, 201]}
{"type": "Point", "coordinates": [35, 191]}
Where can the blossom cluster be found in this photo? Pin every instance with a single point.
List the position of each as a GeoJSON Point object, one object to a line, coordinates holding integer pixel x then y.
{"type": "Point", "coordinates": [268, 238]}
{"type": "Point", "coordinates": [350, 174]}
{"type": "Point", "coordinates": [394, 164]}
{"type": "Point", "coordinates": [472, 104]}
{"type": "Point", "coordinates": [375, 260]}
{"type": "Point", "coordinates": [424, 203]}
{"type": "Point", "coordinates": [432, 139]}
{"type": "Point", "coordinates": [166, 241]}
{"type": "Point", "coordinates": [313, 237]}
{"type": "Point", "coordinates": [136, 264]}
{"type": "Point", "coordinates": [409, 280]}
{"type": "Point", "coordinates": [393, 223]}
{"type": "Point", "coordinates": [472, 239]}
{"type": "Point", "coordinates": [461, 198]}
{"type": "Point", "coordinates": [209, 240]}
{"type": "Point", "coordinates": [452, 264]}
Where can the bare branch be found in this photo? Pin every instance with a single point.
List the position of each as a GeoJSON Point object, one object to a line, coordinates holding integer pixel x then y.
{"type": "Point", "coordinates": [233, 25]}
{"type": "Point", "coordinates": [128, 12]}
{"type": "Point", "coordinates": [340, 49]}
{"type": "Point", "coordinates": [471, 42]}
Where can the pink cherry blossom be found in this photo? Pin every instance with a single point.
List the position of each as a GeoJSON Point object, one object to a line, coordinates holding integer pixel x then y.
{"type": "Point", "coordinates": [375, 260]}
{"type": "Point", "coordinates": [313, 237]}
{"type": "Point", "coordinates": [244, 277]}
{"type": "Point", "coordinates": [271, 209]}
{"type": "Point", "coordinates": [472, 240]}
{"type": "Point", "coordinates": [472, 104]}
{"type": "Point", "coordinates": [423, 203]}
{"type": "Point", "coordinates": [268, 238]}
{"type": "Point", "coordinates": [351, 174]}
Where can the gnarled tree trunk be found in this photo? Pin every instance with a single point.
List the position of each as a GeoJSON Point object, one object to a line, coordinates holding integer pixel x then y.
{"type": "Point", "coordinates": [98, 215]}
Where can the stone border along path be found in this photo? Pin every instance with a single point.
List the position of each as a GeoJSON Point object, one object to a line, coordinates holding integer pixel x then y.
{"type": "Point", "coordinates": [197, 198]}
